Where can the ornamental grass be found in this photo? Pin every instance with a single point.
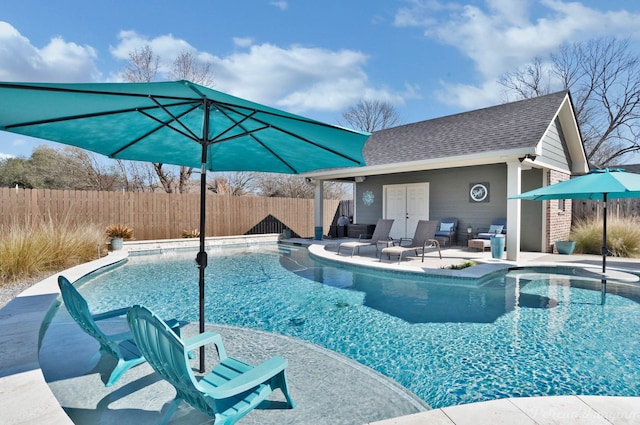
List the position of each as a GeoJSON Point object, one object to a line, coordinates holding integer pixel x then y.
{"type": "Point", "coordinates": [47, 247]}
{"type": "Point", "coordinates": [623, 236]}
{"type": "Point", "coordinates": [119, 231]}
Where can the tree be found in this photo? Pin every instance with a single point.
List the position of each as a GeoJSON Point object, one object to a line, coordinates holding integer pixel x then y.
{"type": "Point", "coordinates": [65, 168]}
{"type": "Point", "coordinates": [371, 115]}
{"type": "Point", "coordinates": [236, 184]}
{"type": "Point", "coordinates": [143, 67]}
{"type": "Point", "coordinates": [138, 176]}
{"type": "Point", "coordinates": [187, 67]}
{"type": "Point", "coordinates": [292, 186]}
{"type": "Point", "coordinates": [92, 173]}
{"type": "Point", "coordinates": [15, 171]}
{"type": "Point", "coordinates": [603, 76]}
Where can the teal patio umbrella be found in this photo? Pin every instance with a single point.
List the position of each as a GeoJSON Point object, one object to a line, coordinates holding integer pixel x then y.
{"type": "Point", "coordinates": [596, 185]}
{"type": "Point", "coordinates": [178, 123]}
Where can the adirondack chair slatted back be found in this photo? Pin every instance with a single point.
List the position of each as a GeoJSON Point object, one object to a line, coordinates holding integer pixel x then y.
{"type": "Point", "coordinates": [166, 353]}
{"type": "Point", "coordinates": [79, 311]}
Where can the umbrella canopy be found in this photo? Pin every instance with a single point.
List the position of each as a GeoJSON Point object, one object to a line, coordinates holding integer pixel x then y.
{"type": "Point", "coordinates": [596, 185]}
{"type": "Point", "coordinates": [170, 122]}
{"type": "Point", "coordinates": [178, 123]}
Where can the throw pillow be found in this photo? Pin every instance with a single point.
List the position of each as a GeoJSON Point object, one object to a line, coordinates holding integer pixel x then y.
{"type": "Point", "coordinates": [446, 227]}
{"type": "Point", "coordinates": [495, 228]}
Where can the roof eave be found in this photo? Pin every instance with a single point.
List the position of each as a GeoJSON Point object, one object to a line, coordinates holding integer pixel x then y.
{"type": "Point", "coordinates": [484, 158]}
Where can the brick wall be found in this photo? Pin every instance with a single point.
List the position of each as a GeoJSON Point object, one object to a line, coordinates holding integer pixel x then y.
{"type": "Point", "coordinates": [558, 214]}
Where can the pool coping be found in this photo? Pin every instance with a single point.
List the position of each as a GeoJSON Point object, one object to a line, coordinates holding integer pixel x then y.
{"type": "Point", "coordinates": [27, 398]}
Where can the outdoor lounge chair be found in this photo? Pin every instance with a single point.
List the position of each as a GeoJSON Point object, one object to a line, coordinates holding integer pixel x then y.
{"type": "Point", "coordinates": [119, 346]}
{"type": "Point", "coordinates": [448, 230]}
{"type": "Point", "coordinates": [498, 226]}
{"type": "Point", "coordinates": [230, 391]}
{"type": "Point", "coordinates": [423, 238]}
{"type": "Point", "coordinates": [380, 236]}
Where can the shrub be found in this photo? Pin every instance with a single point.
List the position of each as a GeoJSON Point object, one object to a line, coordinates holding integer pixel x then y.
{"type": "Point", "coordinates": [46, 248]}
{"type": "Point", "coordinates": [462, 265]}
{"type": "Point", "coordinates": [623, 236]}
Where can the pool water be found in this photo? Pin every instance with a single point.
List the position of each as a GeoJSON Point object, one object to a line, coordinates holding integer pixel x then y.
{"type": "Point", "coordinates": [449, 341]}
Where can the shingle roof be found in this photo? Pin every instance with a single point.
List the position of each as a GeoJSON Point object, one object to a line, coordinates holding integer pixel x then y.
{"type": "Point", "coordinates": [497, 128]}
{"type": "Point", "coordinates": [630, 168]}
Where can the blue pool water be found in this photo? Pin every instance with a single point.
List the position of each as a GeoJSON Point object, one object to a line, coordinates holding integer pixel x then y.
{"type": "Point", "coordinates": [521, 333]}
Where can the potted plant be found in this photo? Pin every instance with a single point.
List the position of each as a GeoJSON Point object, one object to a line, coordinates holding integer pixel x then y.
{"type": "Point", "coordinates": [118, 233]}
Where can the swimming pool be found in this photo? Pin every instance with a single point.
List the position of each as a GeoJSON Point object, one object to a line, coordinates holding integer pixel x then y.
{"type": "Point", "coordinates": [520, 333]}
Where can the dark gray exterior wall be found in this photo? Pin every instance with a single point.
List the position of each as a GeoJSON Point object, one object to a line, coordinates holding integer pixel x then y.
{"type": "Point", "coordinates": [448, 194]}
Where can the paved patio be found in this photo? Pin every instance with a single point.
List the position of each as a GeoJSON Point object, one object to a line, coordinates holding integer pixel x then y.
{"type": "Point", "coordinates": [327, 387]}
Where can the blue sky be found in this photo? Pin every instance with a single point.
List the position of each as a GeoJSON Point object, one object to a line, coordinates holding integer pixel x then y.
{"type": "Point", "coordinates": [427, 57]}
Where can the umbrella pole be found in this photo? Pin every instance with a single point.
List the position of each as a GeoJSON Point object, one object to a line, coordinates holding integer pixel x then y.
{"type": "Point", "coordinates": [201, 259]}
{"type": "Point", "coordinates": [604, 234]}
{"type": "Point", "coordinates": [603, 282]}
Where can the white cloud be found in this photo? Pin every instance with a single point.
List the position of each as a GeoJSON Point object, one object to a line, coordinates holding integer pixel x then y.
{"type": "Point", "coordinates": [5, 156]}
{"type": "Point", "coordinates": [282, 5]}
{"type": "Point", "coordinates": [294, 78]}
{"type": "Point", "coordinates": [242, 41]}
{"type": "Point", "coordinates": [58, 61]}
{"type": "Point", "coordinates": [501, 35]}
{"type": "Point", "coordinates": [166, 47]}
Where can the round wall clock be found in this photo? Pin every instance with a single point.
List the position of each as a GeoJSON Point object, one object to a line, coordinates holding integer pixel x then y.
{"type": "Point", "coordinates": [368, 197]}
{"type": "Point", "coordinates": [479, 192]}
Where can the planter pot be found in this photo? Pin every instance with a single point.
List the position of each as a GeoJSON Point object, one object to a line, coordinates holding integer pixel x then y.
{"type": "Point", "coordinates": [497, 246]}
{"type": "Point", "coordinates": [116, 244]}
{"type": "Point", "coordinates": [565, 247]}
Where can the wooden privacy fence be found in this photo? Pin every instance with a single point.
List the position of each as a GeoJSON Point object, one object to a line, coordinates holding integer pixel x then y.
{"type": "Point", "coordinates": [160, 215]}
{"type": "Point", "coordinates": [618, 208]}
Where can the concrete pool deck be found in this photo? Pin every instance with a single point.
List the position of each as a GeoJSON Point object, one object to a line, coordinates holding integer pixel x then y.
{"type": "Point", "coordinates": [27, 397]}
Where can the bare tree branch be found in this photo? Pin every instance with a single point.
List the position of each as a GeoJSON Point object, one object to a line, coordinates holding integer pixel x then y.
{"type": "Point", "coordinates": [603, 76]}
{"type": "Point", "coordinates": [143, 65]}
{"type": "Point", "coordinates": [371, 115]}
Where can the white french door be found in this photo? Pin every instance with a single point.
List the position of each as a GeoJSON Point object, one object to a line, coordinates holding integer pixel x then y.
{"type": "Point", "coordinates": [405, 204]}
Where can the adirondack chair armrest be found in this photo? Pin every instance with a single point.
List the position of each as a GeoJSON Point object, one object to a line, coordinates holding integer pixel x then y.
{"type": "Point", "coordinates": [110, 314]}
{"type": "Point", "coordinates": [199, 340]}
{"type": "Point", "coordinates": [205, 338]}
{"type": "Point", "coordinates": [251, 379]}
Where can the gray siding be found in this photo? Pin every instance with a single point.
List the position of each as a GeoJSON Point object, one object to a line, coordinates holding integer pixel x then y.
{"type": "Point", "coordinates": [448, 194]}
{"type": "Point", "coordinates": [554, 150]}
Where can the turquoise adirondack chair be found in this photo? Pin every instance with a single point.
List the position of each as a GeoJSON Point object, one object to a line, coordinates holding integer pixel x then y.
{"type": "Point", "coordinates": [230, 391]}
{"type": "Point", "coordinates": [120, 346]}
